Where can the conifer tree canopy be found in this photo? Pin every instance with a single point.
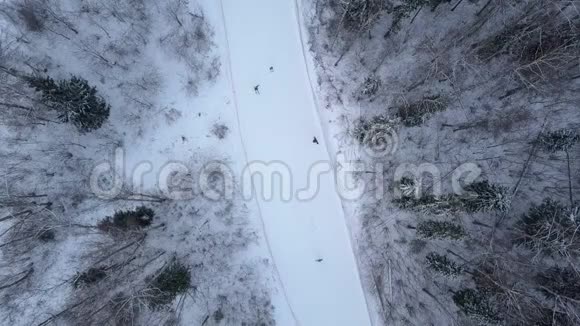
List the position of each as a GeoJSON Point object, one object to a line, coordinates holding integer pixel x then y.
{"type": "Point", "coordinates": [74, 100]}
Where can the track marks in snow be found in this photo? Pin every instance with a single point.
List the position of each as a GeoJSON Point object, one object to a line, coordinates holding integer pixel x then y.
{"type": "Point", "coordinates": [236, 107]}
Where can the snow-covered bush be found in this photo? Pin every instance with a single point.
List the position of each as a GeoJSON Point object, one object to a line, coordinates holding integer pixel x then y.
{"type": "Point", "coordinates": [74, 100]}
{"type": "Point", "coordinates": [137, 218]}
{"type": "Point", "coordinates": [377, 134]}
{"type": "Point", "coordinates": [46, 235]}
{"type": "Point", "coordinates": [364, 127]}
{"type": "Point", "coordinates": [476, 306]}
{"type": "Point", "coordinates": [407, 186]}
{"type": "Point", "coordinates": [432, 229]}
{"type": "Point", "coordinates": [90, 276]}
{"type": "Point", "coordinates": [370, 86]}
{"type": "Point", "coordinates": [479, 196]}
{"type": "Point", "coordinates": [443, 265]}
{"type": "Point", "coordinates": [414, 114]}
{"type": "Point", "coordinates": [483, 196]}
{"type": "Point", "coordinates": [550, 227]}
{"type": "Point", "coordinates": [173, 280]}
{"type": "Point", "coordinates": [220, 130]}
{"type": "Point", "coordinates": [559, 140]}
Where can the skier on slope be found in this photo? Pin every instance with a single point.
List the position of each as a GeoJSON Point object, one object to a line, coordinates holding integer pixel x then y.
{"type": "Point", "coordinates": [257, 89]}
{"type": "Point", "coordinates": [315, 141]}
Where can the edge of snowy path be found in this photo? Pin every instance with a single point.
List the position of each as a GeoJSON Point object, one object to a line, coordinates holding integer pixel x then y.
{"type": "Point", "coordinates": [230, 78]}
{"type": "Point", "coordinates": [311, 71]}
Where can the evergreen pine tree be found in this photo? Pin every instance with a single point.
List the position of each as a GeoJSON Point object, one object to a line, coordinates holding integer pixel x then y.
{"type": "Point", "coordinates": [483, 196]}
{"type": "Point", "coordinates": [74, 100]}
{"type": "Point", "coordinates": [480, 197]}
{"type": "Point", "coordinates": [432, 229]}
{"type": "Point", "coordinates": [476, 306]}
{"type": "Point", "coordinates": [443, 265]}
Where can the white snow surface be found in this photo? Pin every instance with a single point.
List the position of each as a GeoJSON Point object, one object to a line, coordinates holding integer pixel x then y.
{"type": "Point", "coordinates": [278, 125]}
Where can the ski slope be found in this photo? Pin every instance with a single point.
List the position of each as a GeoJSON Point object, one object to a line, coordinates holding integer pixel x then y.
{"type": "Point", "coordinates": [279, 124]}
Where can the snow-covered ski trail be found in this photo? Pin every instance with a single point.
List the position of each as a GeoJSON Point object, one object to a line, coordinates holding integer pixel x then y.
{"type": "Point", "coordinates": [278, 125]}
{"type": "Point", "coordinates": [234, 93]}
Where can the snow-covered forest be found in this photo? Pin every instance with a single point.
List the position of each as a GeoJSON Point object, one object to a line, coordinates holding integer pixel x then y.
{"type": "Point", "coordinates": [129, 126]}
{"type": "Point", "coordinates": [86, 82]}
{"type": "Point", "coordinates": [466, 113]}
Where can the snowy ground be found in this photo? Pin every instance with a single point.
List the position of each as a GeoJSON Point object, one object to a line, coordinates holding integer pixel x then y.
{"type": "Point", "coordinates": [279, 124]}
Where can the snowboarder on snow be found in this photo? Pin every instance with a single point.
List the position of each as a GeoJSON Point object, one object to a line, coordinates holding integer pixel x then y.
{"type": "Point", "coordinates": [315, 141]}
{"type": "Point", "coordinates": [257, 89]}
{"type": "Point", "coordinates": [271, 69]}
{"type": "Point", "coordinates": [318, 260]}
